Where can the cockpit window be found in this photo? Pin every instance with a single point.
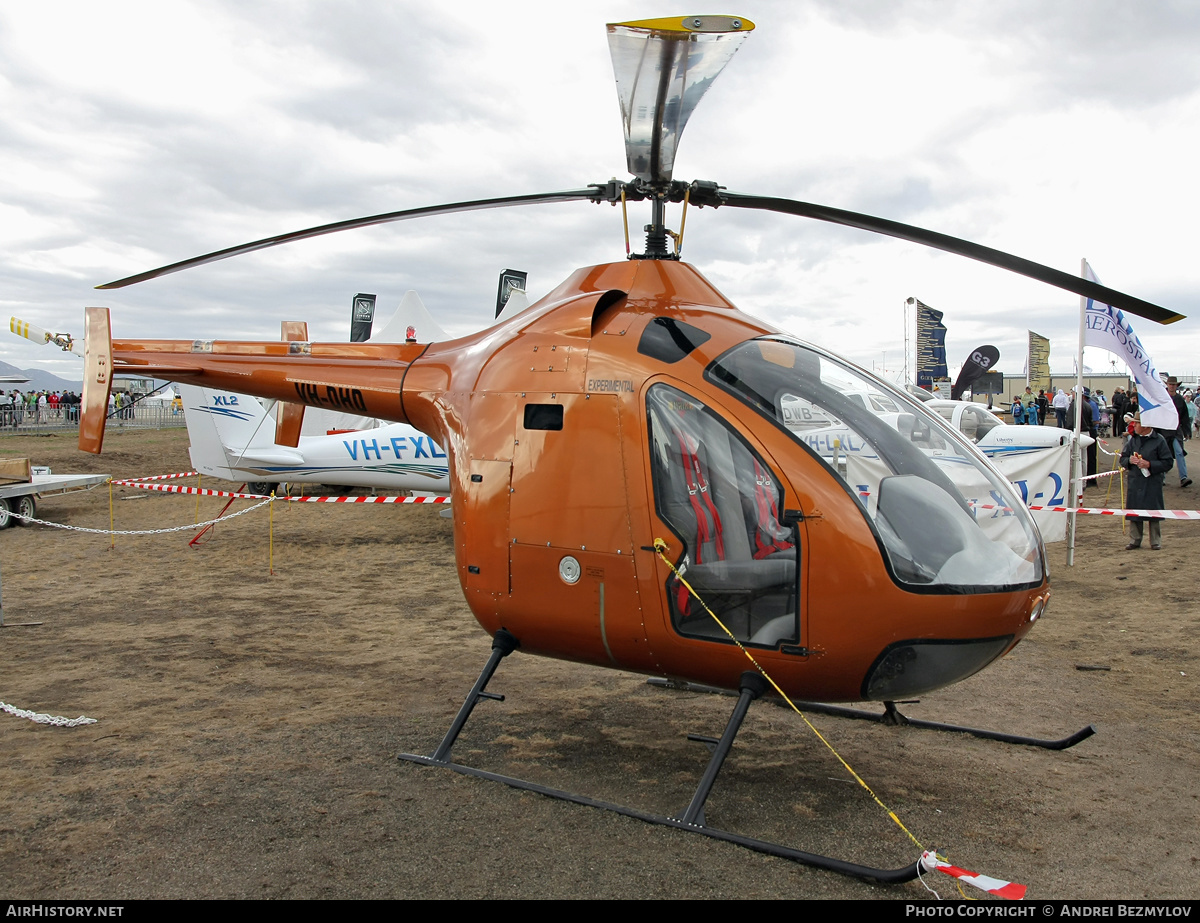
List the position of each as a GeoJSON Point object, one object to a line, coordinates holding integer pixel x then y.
{"type": "Point", "coordinates": [722, 500]}
{"type": "Point", "coordinates": [977, 423]}
{"type": "Point", "coordinates": [947, 520]}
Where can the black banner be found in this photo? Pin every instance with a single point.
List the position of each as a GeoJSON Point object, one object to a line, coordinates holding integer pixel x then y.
{"type": "Point", "coordinates": [362, 316]}
{"type": "Point", "coordinates": [509, 279]}
{"type": "Point", "coordinates": [931, 346]}
{"type": "Point", "coordinates": [977, 363]}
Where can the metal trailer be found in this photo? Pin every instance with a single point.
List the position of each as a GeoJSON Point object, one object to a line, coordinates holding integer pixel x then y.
{"type": "Point", "coordinates": [22, 498]}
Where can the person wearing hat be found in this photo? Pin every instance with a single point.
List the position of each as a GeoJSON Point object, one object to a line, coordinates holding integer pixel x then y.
{"type": "Point", "coordinates": [1147, 459]}
{"type": "Point", "coordinates": [1175, 437]}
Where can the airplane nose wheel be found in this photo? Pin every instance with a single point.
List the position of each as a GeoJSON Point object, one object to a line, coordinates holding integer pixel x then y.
{"type": "Point", "coordinates": [692, 819]}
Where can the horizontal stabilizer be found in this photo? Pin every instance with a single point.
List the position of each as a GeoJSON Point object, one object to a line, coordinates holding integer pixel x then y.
{"type": "Point", "coordinates": [265, 455]}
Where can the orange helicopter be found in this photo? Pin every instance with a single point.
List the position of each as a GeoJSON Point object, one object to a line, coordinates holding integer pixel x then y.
{"type": "Point", "coordinates": [745, 491]}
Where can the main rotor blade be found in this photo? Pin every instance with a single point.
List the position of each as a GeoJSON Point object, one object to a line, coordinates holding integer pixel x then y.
{"type": "Point", "coordinates": [999, 258]}
{"type": "Point", "coordinates": [450, 208]}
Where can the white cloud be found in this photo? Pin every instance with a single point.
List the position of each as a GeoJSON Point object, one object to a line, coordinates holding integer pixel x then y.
{"type": "Point", "coordinates": [137, 134]}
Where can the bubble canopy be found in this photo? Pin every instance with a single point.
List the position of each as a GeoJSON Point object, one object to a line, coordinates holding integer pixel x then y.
{"type": "Point", "coordinates": [947, 521]}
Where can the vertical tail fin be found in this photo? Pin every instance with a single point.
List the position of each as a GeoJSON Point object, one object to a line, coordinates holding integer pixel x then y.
{"type": "Point", "coordinates": [97, 378]}
{"type": "Point", "coordinates": [222, 426]}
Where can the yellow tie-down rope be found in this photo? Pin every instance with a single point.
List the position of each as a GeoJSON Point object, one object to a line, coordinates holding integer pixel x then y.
{"type": "Point", "coordinates": [661, 547]}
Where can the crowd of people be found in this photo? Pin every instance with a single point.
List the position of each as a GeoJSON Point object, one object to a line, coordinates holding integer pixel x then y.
{"type": "Point", "coordinates": [1148, 454]}
{"type": "Point", "coordinates": [1034, 410]}
{"type": "Point", "coordinates": [31, 408]}
{"type": "Point", "coordinates": [34, 407]}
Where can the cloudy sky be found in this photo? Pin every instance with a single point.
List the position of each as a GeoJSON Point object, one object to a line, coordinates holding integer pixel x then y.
{"type": "Point", "coordinates": [137, 134]}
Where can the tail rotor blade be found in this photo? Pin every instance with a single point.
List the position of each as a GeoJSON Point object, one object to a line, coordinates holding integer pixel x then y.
{"type": "Point", "coordinates": [955, 245]}
{"type": "Point", "coordinates": [447, 209]}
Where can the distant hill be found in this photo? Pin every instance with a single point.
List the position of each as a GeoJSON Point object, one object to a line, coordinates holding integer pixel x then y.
{"type": "Point", "coordinates": [38, 380]}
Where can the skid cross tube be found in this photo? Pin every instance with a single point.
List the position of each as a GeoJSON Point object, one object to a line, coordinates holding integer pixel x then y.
{"type": "Point", "coordinates": [693, 818]}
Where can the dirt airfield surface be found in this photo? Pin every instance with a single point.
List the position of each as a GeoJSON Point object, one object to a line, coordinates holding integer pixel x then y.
{"type": "Point", "coordinates": [249, 725]}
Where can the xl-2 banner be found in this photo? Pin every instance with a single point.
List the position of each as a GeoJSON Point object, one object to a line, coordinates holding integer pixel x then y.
{"type": "Point", "coordinates": [1040, 476]}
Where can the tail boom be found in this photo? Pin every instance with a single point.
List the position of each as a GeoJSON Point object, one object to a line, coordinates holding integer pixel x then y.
{"type": "Point", "coordinates": [363, 378]}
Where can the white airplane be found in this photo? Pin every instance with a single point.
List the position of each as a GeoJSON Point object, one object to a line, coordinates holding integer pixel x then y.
{"type": "Point", "coordinates": [996, 438]}
{"type": "Point", "coordinates": [233, 437]}
{"type": "Point", "coordinates": [1036, 459]}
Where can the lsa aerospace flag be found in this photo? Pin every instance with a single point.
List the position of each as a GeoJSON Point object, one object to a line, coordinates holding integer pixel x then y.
{"type": "Point", "coordinates": [1108, 328]}
{"type": "Point", "coordinates": [931, 346]}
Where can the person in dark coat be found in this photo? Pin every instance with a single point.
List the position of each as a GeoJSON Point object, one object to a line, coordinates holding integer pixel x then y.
{"type": "Point", "coordinates": [1091, 426]}
{"type": "Point", "coordinates": [1120, 404]}
{"type": "Point", "coordinates": [1147, 459]}
{"type": "Point", "coordinates": [1087, 426]}
{"type": "Point", "coordinates": [1175, 437]}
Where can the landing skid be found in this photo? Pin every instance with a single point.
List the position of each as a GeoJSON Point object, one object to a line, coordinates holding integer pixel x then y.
{"type": "Point", "coordinates": [691, 819]}
{"type": "Point", "coordinates": [892, 716]}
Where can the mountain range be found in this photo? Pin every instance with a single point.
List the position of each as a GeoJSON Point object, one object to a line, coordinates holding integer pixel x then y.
{"type": "Point", "coordinates": [38, 380]}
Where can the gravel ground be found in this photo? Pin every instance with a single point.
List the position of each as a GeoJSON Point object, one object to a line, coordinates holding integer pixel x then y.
{"type": "Point", "coordinates": [249, 725]}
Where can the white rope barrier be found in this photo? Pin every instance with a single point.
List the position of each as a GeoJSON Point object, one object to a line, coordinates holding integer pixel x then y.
{"type": "Point", "coordinates": [39, 718]}
{"type": "Point", "coordinates": [190, 525]}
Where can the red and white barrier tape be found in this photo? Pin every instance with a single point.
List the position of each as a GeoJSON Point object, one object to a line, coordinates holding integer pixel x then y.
{"type": "Point", "coordinates": [1009, 889]}
{"type": "Point", "coordinates": [143, 484]}
{"type": "Point", "coordinates": [1102, 474]}
{"type": "Point", "coordinates": [1095, 511]}
{"type": "Point", "coordinates": [180, 489]}
{"type": "Point", "coordinates": [368, 499]}
{"type": "Point", "coordinates": [164, 477]}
